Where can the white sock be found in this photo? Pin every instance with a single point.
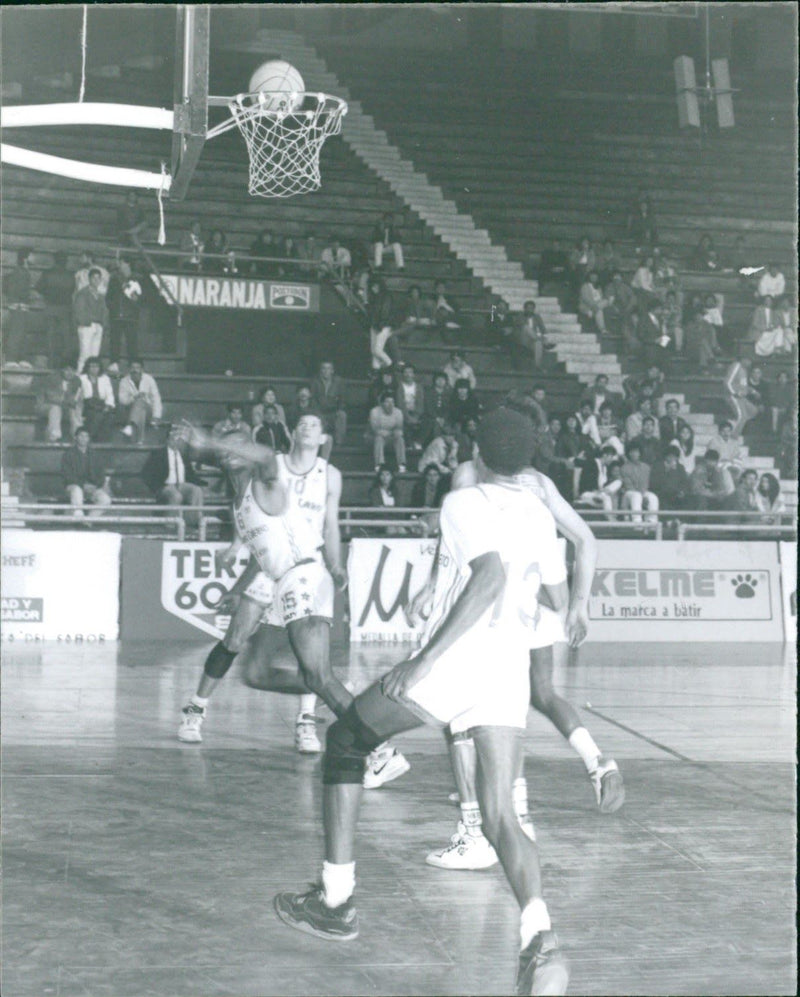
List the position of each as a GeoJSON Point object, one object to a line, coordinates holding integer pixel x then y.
{"type": "Point", "coordinates": [520, 794]}
{"type": "Point", "coordinates": [338, 882]}
{"type": "Point", "coordinates": [307, 703]}
{"type": "Point", "coordinates": [533, 919]}
{"type": "Point", "coordinates": [581, 741]}
{"type": "Point", "coordinates": [201, 701]}
{"type": "Point", "coordinates": [471, 816]}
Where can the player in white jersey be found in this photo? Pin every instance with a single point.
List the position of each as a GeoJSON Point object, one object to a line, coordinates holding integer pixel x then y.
{"type": "Point", "coordinates": [472, 672]}
{"type": "Point", "coordinates": [468, 847]}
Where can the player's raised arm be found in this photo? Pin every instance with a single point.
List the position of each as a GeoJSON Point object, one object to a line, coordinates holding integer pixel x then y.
{"type": "Point", "coordinates": [333, 540]}
{"type": "Point", "coordinates": [234, 444]}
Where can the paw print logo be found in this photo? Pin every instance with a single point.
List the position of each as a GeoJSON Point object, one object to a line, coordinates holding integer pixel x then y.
{"type": "Point", "coordinates": [744, 586]}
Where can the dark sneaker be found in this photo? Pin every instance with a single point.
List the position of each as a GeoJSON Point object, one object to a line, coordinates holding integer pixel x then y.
{"type": "Point", "coordinates": [543, 969]}
{"type": "Point", "coordinates": [308, 912]}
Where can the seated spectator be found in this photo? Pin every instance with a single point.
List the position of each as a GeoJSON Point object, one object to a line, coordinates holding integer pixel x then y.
{"type": "Point", "coordinates": [619, 312]}
{"type": "Point", "coordinates": [385, 236]}
{"type": "Point", "coordinates": [599, 394]}
{"type": "Point", "coordinates": [18, 297]}
{"type": "Point", "coordinates": [701, 340]}
{"type": "Point", "coordinates": [571, 445]}
{"type": "Point", "coordinates": [124, 299]}
{"type": "Point", "coordinates": [441, 452]}
{"type": "Point", "coordinates": [744, 403]}
{"type": "Point", "coordinates": [288, 249]}
{"type": "Point", "coordinates": [172, 477]}
{"type": "Point", "coordinates": [445, 312]}
{"type": "Point", "coordinates": [712, 487]}
{"type": "Point", "coordinates": [131, 222]}
{"type": "Point", "coordinates": [264, 248]}
{"type": "Point", "coordinates": [437, 405]}
{"type": "Point", "coordinates": [267, 397]}
{"type": "Point", "coordinates": [464, 403]}
{"type": "Point", "coordinates": [380, 313]}
{"type": "Point", "coordinates": [665, 275]}
{"type": "Point", "coordinates": [704, 257]}
{"type": "Point", "coordinates": [728, 448]}
{"type": "Point", "coordinates": [386, 426]}
{"type": "Point", "coordinates": [781, 399]}
{"type": "Point", "coordinates": [788, 320]}
{"type": "Point", "coordinates": [594, 488]}
{"type": "Point", "coordinates": [383, 491]}
{"type": "Point", "coordinates": [635, 421]}
{"type": "Point", "coordinates": [272, 432]}
{"type": "Point", "coordinates": [684, 444]}
{"type": "Point", "coordinates": [759, 393]}
{"type": "Point", "coordinates": [544, 455]}
{"type": "Point", "coordinates": [82, 274]}
{"type": "Point", "coordinates": [651, 333]}
{"type": "Point", "coordinates": [670, 424]}
{"type": "Point", "coordinates": [230, 267]}
{"type": "Point", "coordinates": [383, 381]}
{"type": "Point", "coordinates": [139, 401]}
{"type": "Point", "coordinates": [216, 251]}
{"type": "Point", "coordinates": [232, 423]}
{"type": "Point", "coordinates": [607, 262]}
{"type": "Point", "coordinates": [531, 332]}
{"type": "Point", "coordinates": [636, 492]}
{"type": "Point", "coordinates": [643, 284]}
{"type": "Point", "coordinates": [56, 286]}
{"type": "Point", "coordinates": [772, 284]}
{"type": "Point", "coordinates": [769, 499]}
{"type": "Point", "coordinates": [91, 317]}
{"type": "Point", "coordinates": [60, 401]}
{"type": "Point", "coordinates": [553, 266]}
{"type": "Point", "coordinates": [587, 422]}
{"type": "Point", "coordinates": [767, 332]}
{"type": "Point", "coordinates": [648, 441]}
{"type": "Point", "coordinates": [582, 262]}
{"type": "Point", "coordinates": [642, 224]}
{"type": "Point", "coordinates": [327, 396]}
{"type": "Point", "coordinates": [301, 405]}
{"type": "Point", "coordinates": [97, 401]}
{"type": "Point", "coordinates": [467, 441]}
{"type": "Point", "coordinates": [537, 405]}
{"type": "Point", "coordinates": [192, 247]}
{"type": "Point", "coordinates": [745, 496]}
{"type": "Point", "coordinates": [457, 369]}
{"type": "Point", "coordinates": [713, 305]}
{"type": "Point", "coordinates": [648, 385]}
{"type": "Point", "coordinates": [309, 255]}
{"type": "Point", "coordinates": [501, 331]}
{"type": "Point", "coordinates": [336, 260]}
{"type": "Point", "coordinates": [419, 312]}
{"type": "Point", "coordinates": [430, 489]}
{"type": "Point", "coordinates": [669, 481]}
{"type": "Point", "coordinates": [591, 303]}
{"type": "Point", "coordinates": [410, 399]}
{"type": "Point", "coordinates": [608, 430]}
{"type": "Point", "coordinates": [672, 320]}
{"type": "Point", "coordinates": [86, 481]}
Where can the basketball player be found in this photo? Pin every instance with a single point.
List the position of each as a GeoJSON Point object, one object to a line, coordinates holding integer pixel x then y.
{"type": "Point", "coordinates": [498, 546]}
{"type": "Point", "coordinates": [286, 510]}
{"type": "Point", "coordinates": [468, 847]}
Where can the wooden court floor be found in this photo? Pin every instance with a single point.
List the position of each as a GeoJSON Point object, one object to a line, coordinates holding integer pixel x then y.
{"type": "Point", "coordinates": [135, 865]}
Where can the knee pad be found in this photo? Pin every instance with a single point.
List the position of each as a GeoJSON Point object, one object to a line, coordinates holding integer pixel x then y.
{"type": "Point", "coordinates": [348, 742]}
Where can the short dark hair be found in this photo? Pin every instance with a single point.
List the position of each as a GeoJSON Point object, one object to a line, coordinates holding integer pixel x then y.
{"type": "Point", "coordinates": [633, 445]}
{"type": "Point", "coordinates": [748, 471]}
{"type": "Point", "coordinates": [134, 360]}
{"type": "Point", "coordinates": [648, 418]}
{"type": "Point", "coordinates": [506, 441]}
{"type": "Point", "coordinates": [95, 270]}
{"type": "Point", "coordinates": [462, 382]}
{"type": "Point", "coordinates": [672, 401]}
{"type": "Point", "coordinates": [726, 422]}
{"type": "Point", "coordinates": [672, 452]}
{"type": "Point", "coordinates": [608, 451]}
{"type": "Point", "coordinates": [233, 405]}
{"type": "Point", "coordinates": [385, 395]}
{"type": "Point", "coordinates": [83, 429]}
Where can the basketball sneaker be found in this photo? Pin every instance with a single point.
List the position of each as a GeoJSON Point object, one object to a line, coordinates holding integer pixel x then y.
{"type": "Point", "coordinates": [543, 969]}
{"type": "Point", "coordinates": [384, 764]}
{"type": "Point", "coordinates": [308, 912]}
{"type": "Point", "coordinates": [609, 788]}
{"type": "Point", "coordinates": [305, 735]}
{"type": "Point", "coordinates": [465, 851]}
{"type": "Point", "coordinates": [191, 722]}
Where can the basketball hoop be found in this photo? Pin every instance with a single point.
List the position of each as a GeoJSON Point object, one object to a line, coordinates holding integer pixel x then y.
{"type": "Point", "coordinates": [283, 146]}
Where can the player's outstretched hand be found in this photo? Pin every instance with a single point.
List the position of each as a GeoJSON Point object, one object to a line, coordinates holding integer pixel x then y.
{"type": "Point", "coordinates": [225, 559]}
{"type": "Point", "coordinates": [577, 626]}
{"type": "Point", "coordinates": [419, 609]}
{"type": "Point", "coordinates": [193, 436]}
{"type": "Point", "coordinates": [339, 577]}
{"type": "Point", "coordinates": [397, 683]}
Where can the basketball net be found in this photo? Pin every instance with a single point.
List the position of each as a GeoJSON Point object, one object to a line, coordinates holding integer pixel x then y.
{"type": "Point", "coordinates": [284, 147]}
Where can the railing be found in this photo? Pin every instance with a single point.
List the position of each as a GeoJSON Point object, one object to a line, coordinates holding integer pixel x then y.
{"type": "Point", "coordinates": [70, 516]}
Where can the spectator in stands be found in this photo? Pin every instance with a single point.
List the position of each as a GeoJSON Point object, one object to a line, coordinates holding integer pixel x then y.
{"type": "Point", "coordinates": [769, 499]}
{"type": "Point", "coordinates": [665, 275]}
{"type": "Point", "coordinates": [788, 320]}
{"type": "Point", "coordinates": [713, 305]}
{"type": "Point", "coordinates": [643, 284]}
{"type": "Point", "coordinates": [300, 406]}
{"type": "Point", "coordinates": [711, 485]}
{"type": "Point", "coordinates": [652, 334]}
{"type": "Point", "coordinates": [592, 303]}
{"type": "Point", "coordinates": [766, 330]}
{"type": "Point", "coordinates": [669, 481]}
{"type": "Point", "coordinates": [560, 459]}
{"type": "Point", "coordinates": [380, 312]}
{"type": "Point", "coordinates": [608, 430]}
{"type": "Point", "coordinates": [607, 262]}
{"type": "Point", "coordinates": [582, 262]}
{"type": "Point", "coordinates": [594, 479]}
{"type": "Point", "coordinates": [648, 441]}
{"type": "Point", "coordinates": [704, 257]}
{"type": "Point", "coordinates": [467, 441]}
{"type": "Point", "coordinates": [91, 318]}
{"type": "Point", "coordinates": [309, 252]}
{"type": "Point", "coordinates": [384, 237]}
{"type": "Point", "coordinates": [124, 300]}
{"type": "Point", "coordinates": [537, 406]}
{"type": "Point", "coordinates": [553, 266]}
{"type": "Point", "coordinates": [86, 481]}
{"type": "Point", "coordinates": [327, 396]}
{"type": "Point", "coordinates": [501, 331]}
{"type": "Point", "coordinates": [288, 249]}
{"type": "Point", "coordinates": [445, 312]}
{"type": "Point", "coordinates": [745, 403]}
{"type": "Point", "coordinates": [648, 385]}
{"type": "Point", "coordinates": [383, 491]}
{"type": "Point", "coordinates": [139, 401]}
{"type": "Point", "coordinates": [670, 424]}
{"type": "Point", "coordinates": [728, 448]}
{"type": "Point", "coordinates": [456, 369]}
{"type": "Point", "coordinates": [587, 422]}
{"type": "Point", "coordinates": [619, 312]}
{"type": "Point", "coordinates": [786, 451]}
{"type": "Point", "coordinates": [230, 268]}
{"type": "Point", "coordinates": [384, 380]}
{"type": "Point", "coordinates": [464, 403]}
{"type": "Point", "coordinates": [672, 320]}
{"type": "Point", "coordinates": [636, 492]}
{"type": "Point", "coordinates": [419, 312]}
{"type": "Point", "coordinates": [544, 455]}
{"type": "Point", "coordinates": [531, 333]}
{"type": "Point", "coordinates": [131, 222]}
{"type": "Point", "coordinates": [263, 248]}
{"type": "Point", "coordinates": [172, 477]}
{"type": "Point", "coordinates": [642, 224]}
{"type": "Point", "coordinates": [233, 421]}
{"type": "Point", "coordinates": [571, 445]}
{"type": "Point", "coordinates": [192, 247]}
{"type": "Point", "coordinates": [700, 339]}
{"type": "Point", "coordinates": [410, 399]}
{"type": "Point", "coordinates": [430, 489]}
{"type": "Point", "coordinates": [745, 496]}
{"type": "Point", "coordinates": [437, 404]}
{"type": "Point", "coordinates": [267, 397]}
{"type": "Point", "coordinates": [97, 400]}
{"type": "Point", "coordinates": [336, 260]}
{"type": "Point", "coordinates": [60, 401]}
{"type": "Point", "coordinates": [635, 421]}
{"type": "Point", "coordinates": [88, 263]}
{"type": "Point", "coordinates": [18, 296]}
{"type": "Point", "coordinates": [216, 251]}
{"type": "Point", "coordinates": [684, 444]}
{"type": "Point", "coordinates": [272, 432]}
{"type": "Point", "coordinates": [599, 394]}
{"type": "Point", "coordinates": [441, 452]}
{"type": "Point", "coordinates": [56, 286]}
{"type": "Point", "coordinates": [386, 426]}
{"type": "Point", "coordinates": [781, 399]}
{"type": "Point", "coordinates": [772, 283]}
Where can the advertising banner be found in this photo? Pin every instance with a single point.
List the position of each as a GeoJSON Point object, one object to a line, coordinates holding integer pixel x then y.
{"type": "Point", "coordinates": [60, 586]}
{"type": "Point", "coordinates": [197, 291]}
{"type": "Point", "coordinates": [788, 556]}
{"type": "Point", "coordinates": [702, 591]}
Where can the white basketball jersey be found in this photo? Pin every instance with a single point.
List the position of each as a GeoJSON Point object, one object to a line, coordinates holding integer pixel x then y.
{"type": "Point", "coordinates": [512, 521]}
{"type": "Point", "coordinates": [278, 543]}
{"type": "Point", "coordinates": [307, 492]}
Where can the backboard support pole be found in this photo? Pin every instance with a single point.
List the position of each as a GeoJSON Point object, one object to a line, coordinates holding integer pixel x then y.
{"type": "Point", "coordinates": [191, 94]}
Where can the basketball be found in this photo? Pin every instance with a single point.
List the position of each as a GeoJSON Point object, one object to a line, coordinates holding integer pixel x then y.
{"type": "Point", "coordinates": [280, 83]}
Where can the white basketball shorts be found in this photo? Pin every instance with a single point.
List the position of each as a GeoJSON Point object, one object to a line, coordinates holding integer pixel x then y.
{"type": "Point", "coordinates": [549, 630]}
{"type": "Point", "coordinates": [305, 590]}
